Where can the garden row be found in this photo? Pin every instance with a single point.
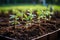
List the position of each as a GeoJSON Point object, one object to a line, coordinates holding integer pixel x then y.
{"type": "Point", "coordinates": [26, 25]}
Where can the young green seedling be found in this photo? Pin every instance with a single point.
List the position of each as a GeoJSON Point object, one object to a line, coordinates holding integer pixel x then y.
{"type": "Point", "coordinates": [14, 21]}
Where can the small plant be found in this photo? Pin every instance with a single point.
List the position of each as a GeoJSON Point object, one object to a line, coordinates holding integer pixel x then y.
{"type": "Point", "coordinates": [14, 21]}
{"type": "Point", "coordinates": [28, 18]}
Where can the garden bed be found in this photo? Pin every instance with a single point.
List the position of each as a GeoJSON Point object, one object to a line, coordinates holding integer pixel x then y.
{"type": "Point", "coordinates": [50, 36]}
{"type": "Point", "coordinates": [25, 28]}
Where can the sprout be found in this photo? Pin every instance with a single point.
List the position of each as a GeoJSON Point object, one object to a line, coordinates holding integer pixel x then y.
{"type": "Point", "coordinates": [14, 21]}
{"type": "Point", "coordinates": [28, 18]}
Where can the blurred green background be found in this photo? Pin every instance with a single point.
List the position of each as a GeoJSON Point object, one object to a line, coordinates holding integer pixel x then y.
{"type": "Point", "coordinates": [28, 1]}
{"type": "Point", "coordinates": [29, 4]}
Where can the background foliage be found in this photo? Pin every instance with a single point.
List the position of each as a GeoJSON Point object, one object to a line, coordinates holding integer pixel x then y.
{"type": "Point", "coordinates": [27, 1]}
